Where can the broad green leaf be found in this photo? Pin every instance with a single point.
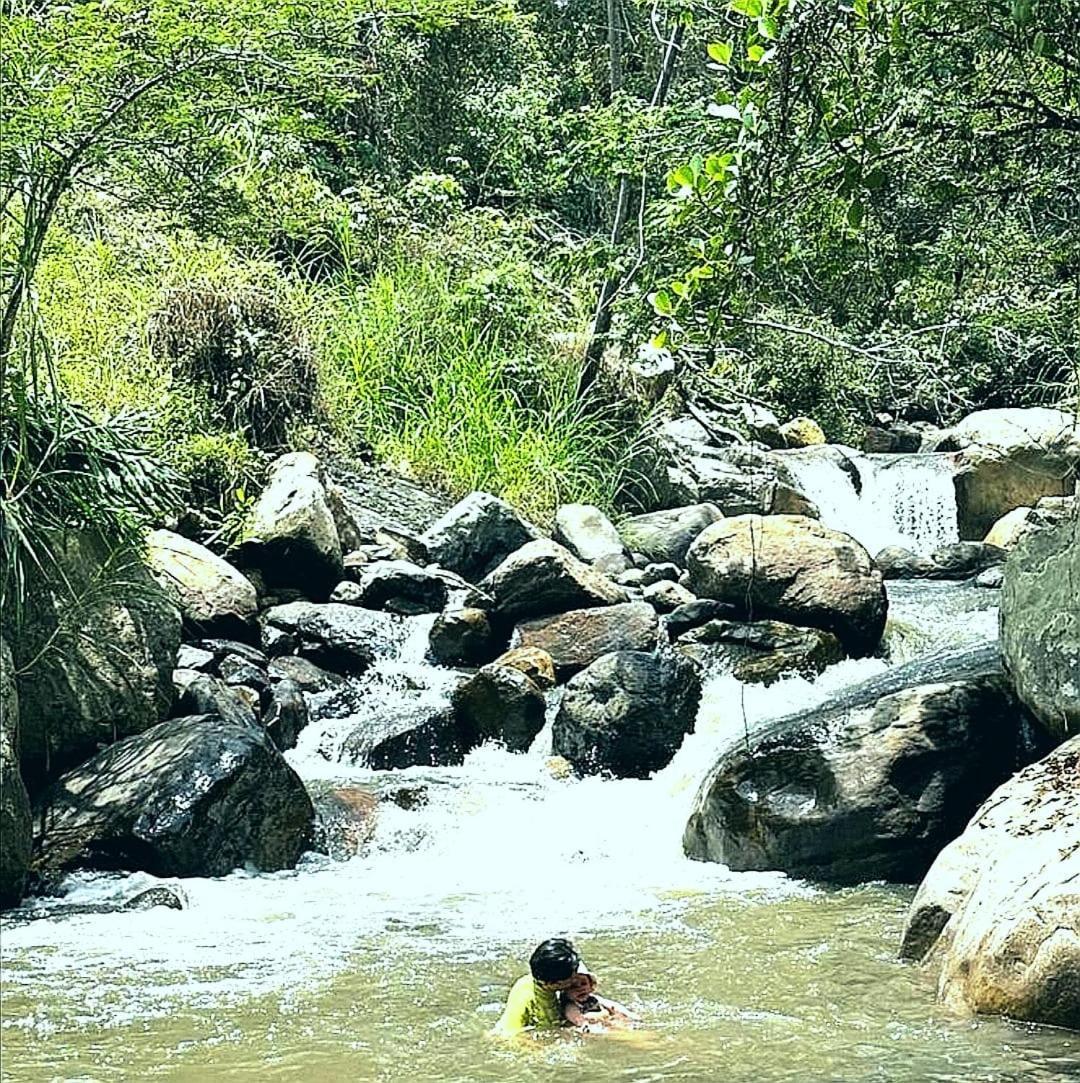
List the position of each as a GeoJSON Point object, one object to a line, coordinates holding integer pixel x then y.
{"type": "Point", "coordinates": [856, 213]}
{"type": "Point", "coordinates": [720, 52]}
{"type": "Point", "coordinates": [662, 303]}
{"type": "Point", "coordinates": [755, 53]}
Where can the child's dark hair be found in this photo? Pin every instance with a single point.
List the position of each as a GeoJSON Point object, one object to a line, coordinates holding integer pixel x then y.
{"type": "Point", "coordinates": [554, 960]}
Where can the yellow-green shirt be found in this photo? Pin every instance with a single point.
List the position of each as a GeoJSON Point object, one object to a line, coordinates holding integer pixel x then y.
{"type": "Point", "coordinates": [529, 1005]}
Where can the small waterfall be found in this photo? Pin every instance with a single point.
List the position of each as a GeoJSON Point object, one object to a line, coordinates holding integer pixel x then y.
{"type": "Point", "coordinates": [880, 500]}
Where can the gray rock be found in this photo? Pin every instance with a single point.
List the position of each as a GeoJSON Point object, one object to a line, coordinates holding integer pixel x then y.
{"type": "Point", "coordinates": [666, 597]}
{"type": "Point", "coordinates": [896, 562]}
{"type": "Point", "coordinates": [897, 438]}
{"type": "Point", "coordinates": [306, 675]}
{"type": "Point", "coordinates": [15, 827]}
{"type": "Point", "coordinates": [202, 694]}
{"type": "Point", "coordinates": [287, 714]}
{"type": "Point", "coordinates": [847, 794]}
{"type": "Point", "coordinates": [189, 657]}
{"type": "Point", "coordinates": [632, 577]}
{"type": "Point", "coordinates": [416, 734]}
{"type": "Point", "coordinates": [591, 536]}
{"type": "Point", "coordinates": [291, 536]}
{"type": "Point", "coordinates": [576, 638]}
{"type": "Point", "coordinates": [463, 637]}
{"type": "Point", "coordinates": [1040, 625]}
{"type": "Point", "coordinates": [760, 652]}
{"type": "Point", "coordinates": [627, 714]}
{"type": "Point", "coordinates": [500, 702]}
{"type": "Point", "coordinates": [341, 638]}
{"type": "Point", "coordinates": [793, 569]}
{"type": "Point", "coordinates": [235, 670]}
{"type": "Point", "coordinates": [400, 587]}
{"type": "Point", "coordinates": [345, 819]}
{"type": "Point", "coordinates": [1000, 907]}
{"type": "Point", "coordinates": [694, 614]}
{"type": "Point", "coordinates": [543, 577]}
{"type": "Point", "coordinates": [347, 592]}
{"type": "Point", "coordinates": [662, 536]}
{"type": "Point", "coordinates": [658, 573]}
{"type": "Point", "coordinates": [189, 797]}
{"type": "Point", "coordinates": [762, 425]}
{"type": "Point", "coordinates": [102, 676]}
{"type": "Point", "coordinates": [959, 560]}
{"type": "Point", "coordinates": [991, 579]}
{"type": "Point", "coordinates": [476, 534]}
{"type": "Point", "coordinates": [214, 598]}
{"type": "Point", "coordinates": [220, 648]}
{"type": "Point", "coordinates": [380, 501]}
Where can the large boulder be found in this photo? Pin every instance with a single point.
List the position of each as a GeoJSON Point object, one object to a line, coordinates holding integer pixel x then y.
{"type": "Point", "coordinates": [463, 637]}
{"type": "Point", "coordinates": [793, 569]}
{"type": "Point", "coordinates": [95, 665]}
{"type": "Point", "coordinates": [193, 796]}
{"type": "Point", "coordinates": [591, 536]}
{"type": "Point", "coordinates": [415, 733]}
{"type": "Point", "coordinates": [291, 536]}
{"type": "Point", "coordinates": [1000, 907]}
{"type": "Point", "coordinates": [579, 637]}
{"type": "Point", "coordinates": [501, 702]}
{"type": "Point", "coordinates": [543, 577]}
{"type": "Point", "coordinates": [341, 638]}
{"type": "Point", "coordinates": [860, 790]}
{"type": "Point", "coordinates": [955, 560]}
{"type": "Point", "coordinates": [1009, 459]}
{"type": "Point", "coordinates": [627, 713]}
{"type": "Point", "coordinates": [1040, 625]}
{"type": "Point", "coordinates": [760, 652]}
{"type": "Point", "coordinates": [1008, 531]}
{"type": "Point", "coordinates": [398, 586]}
{"type": "Point", "coordinates": [15, 828]}
{"type": "Point", "coordinates": [214, 598]}
{"type": "Point", "coordinates": [665, 536]}
{"type": "Point", "coordinates": [476, 534]}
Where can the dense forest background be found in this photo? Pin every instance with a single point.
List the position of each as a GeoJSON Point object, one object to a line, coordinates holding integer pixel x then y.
{"type": "Point", "coordinates": [458, 235]}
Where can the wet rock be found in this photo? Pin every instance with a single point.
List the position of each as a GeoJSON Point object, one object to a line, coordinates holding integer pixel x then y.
{"type": "Point", "coordinates": [192, 796]}
{"type": "Point", "coordinates": [1040, 625]}
{"type": "Point", "coordinates": [991, 579]}
{"type": "Point", "coordinates": [632, 577]}
{"type": "Point", "coordinates": [694, 614]}
{"type": "Point", "coordinates": [347, 592]}
{"type": "Point", "coordinates": [107, 675]}
{"type": "Point", "coordinates": [666, 597]}
{"type": "Point", "coordinates": [307, 676]}
{"type": "Point", "coordinates": [659, 573]}
{"type": "Point", "coordinates": [761, 652]}
{"type": "Point", "coordinates": [855, 791]}
{"type": "Point", "coordinates": [476, 534]}
{"type": "Point", "coordinates": [627, 713]}
{"type": "Point", "coordinates": [793, 569]}
{"type": "Point", "coordinates": [896, 438]}
{"type": "Point", "coordinates": [591, 536]}
{"type": "Point", "coordinates": [342, 638]}
{"type": "Point", "coordinates": [153, 897]}
{"type": "Point", "coordinates": [543, 577]}
{"type": "Point", "coordinates": [400, 587]}
{"type": "Point", "coordinates": [959, 560]}
{"type": "Point", "coordinates": [1000, 907]}
{"type": "Point", "coordinates": [235, 670]}
{"type": "Point", "coordinates": [501, 703]}
{"type": "Point", "coordinates": [896, 562]}
{"type": "Point", "coordinates": [214, 598]}
{"type": "Point", "coordinates": [291, 536]}
{"type": "Point", "coordinates": [287, 714]}
{"type": "Point", "coordinates": [1010, 459]}
{"type": "Point", "coordinates": [220, 648]}
{"type": "Point", "coordinates": [202, 694]}
{"type": "Point", "coordinates": [663, 536]}
{"type": "Point", "coordinates": [762, 425]}
{"type": "Point", "coordinates": [345, 819]}
{"type": "Point", "coordinates": [1012, 527]}
{"type": "Point", "coordinates": [535, 663]}
{"type": "Point", "coordinates": [379, 501]}
{"type": "Point", "coordinates": [579, 637]}
{"type": "Point", "coordinates": [802, 432]}
{"type": "Point", "coordinates": [189, 657]}
{"type": "Point", "coordinates": [417, 734]}
{"type": "Point", "coordinates": [15, 828]}
{"type": "Point", "coordinates": [463, 637]}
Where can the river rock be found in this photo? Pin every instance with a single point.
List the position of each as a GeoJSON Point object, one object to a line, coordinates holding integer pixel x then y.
{"type": "Point", "coordinates": [959, 560]}
{"type": "Point", "coordinates": [214, 598]}
{"type": "Point", "coordinates": [543, 577]}
{"type": "Point", "coordinates": [15, 828]}
{"type": "Point", "coordinates": [191, 796]}
{"type": "Point", "coordinates": [793, 569]}
{"type": "Point", "coordinates": [305, 674]}
{"type": "Point", "coordinates": [627, 713]}
{"type": "Point", "coordinates": [224, 648]}
{"type": "Point", "coordinates": [696, 613]}
{"type": "Point", "coordinates": [463, 637]}
{"type": "Point", "coordinates": [189, 657]}
{"type": "Point", "coordinates": [896, 562]}
{"type": "Point", "coordinates": [591, 536]}
{"type": "Point", "coordinates": [345, 819]}
{"type": "Point", "coordinates": [665, 596]}
{"type": "Point", "coordinates": [291, 536]}
{"type": "Point", "coordinates": [760, 652]}
{"type": "Point", "coordinates": [1009, 459]}
{"type": "Point", "coordinates": [992, 578]}
{"type": "Point", "coordinates": [379, 501]}
{"type": "Point", "coordinates": [762, 425]}
{"type": "Point", "coordinates": [235, 671]}
{"type": "Point", "coordinates": [415, 733]}
{"type": "Point", "coordinates": [665, 536]}
{"type": "Point", "coordinates": [204, 694]}
{"type": "Point", "coordinates": [660, 572]}
{"type": "Point", "coordinates": [1040, 625]}
{"type": "Point", "coordinates": [287, 714]}
{"type": "Point", "coordinates": [477, 534]}
{"type": "Point", "coordinates": [894, 438]}
{"type": "Point", "coordinates": [106, 670]}
{"type": "Point", "coordinates": [500, 702]}
{"type": "Point", "coordinates": [342, 638]}
{"type": "Point", "coordinates": [535, 663]}
{"type": "Point", "coordinates": [579, 637]}
{"type": "Point", "coordinates": [400, 587]}
{"type": "Point", "coordinates": [859, 791]}
{"type": "Point", "coordinates": [1000, 907]}
{"type": "Point", "coordinates": [1007, 532]}
{"type": "Point", "coordinates": [802, 432]}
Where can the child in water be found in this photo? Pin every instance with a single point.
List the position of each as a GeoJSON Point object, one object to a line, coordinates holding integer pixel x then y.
{"type": "Point", "coordinates": [582, 1008]}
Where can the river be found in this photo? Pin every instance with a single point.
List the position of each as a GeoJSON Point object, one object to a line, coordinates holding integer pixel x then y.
{"type": "Point", "coordinates": [394, 965]}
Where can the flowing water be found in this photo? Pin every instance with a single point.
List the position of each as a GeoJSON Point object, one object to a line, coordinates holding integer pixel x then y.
{"type": "Point", "coordinates": [394, 965]}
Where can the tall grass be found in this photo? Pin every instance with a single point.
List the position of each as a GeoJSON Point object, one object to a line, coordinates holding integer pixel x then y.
{"type": "Point", "coordinates": [462, 377]}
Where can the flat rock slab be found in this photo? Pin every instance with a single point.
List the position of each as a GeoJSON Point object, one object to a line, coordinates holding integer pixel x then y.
{"type": "Point", "coordinates": [579, 637]}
